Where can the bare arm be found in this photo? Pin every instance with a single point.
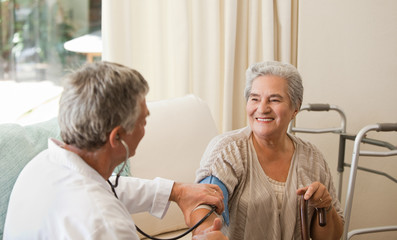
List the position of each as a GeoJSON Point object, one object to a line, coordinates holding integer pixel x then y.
{"type": "Point", "coordinates": [211, 233]}
{"type": "Point", "coordinates": [189, 196]}
{"type": "Point", "coordinates": [197, 215]}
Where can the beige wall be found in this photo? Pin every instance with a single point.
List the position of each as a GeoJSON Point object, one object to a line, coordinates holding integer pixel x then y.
{"type": "Point", "coordinates": [347, 55]}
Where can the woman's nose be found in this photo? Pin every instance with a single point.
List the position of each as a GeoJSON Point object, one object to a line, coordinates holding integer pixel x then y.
{"type": "Point", "coordinates": [264, 107]}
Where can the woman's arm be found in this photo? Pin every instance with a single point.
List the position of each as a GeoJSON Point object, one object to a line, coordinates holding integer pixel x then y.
{"type": "Point", "coordinates": [199, 212]}
{"type": "Point", "coordinates": [189, 196]}
{"type": "Point", "coordinates": [197, 215]}
{"type": "Point", "coordinates": [212, 233]}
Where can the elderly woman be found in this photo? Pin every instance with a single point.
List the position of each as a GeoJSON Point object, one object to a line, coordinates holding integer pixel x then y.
{"type": "Point", "coordinates": [262, 169]}
{"type": "Point", "coordinates": [64, 192]}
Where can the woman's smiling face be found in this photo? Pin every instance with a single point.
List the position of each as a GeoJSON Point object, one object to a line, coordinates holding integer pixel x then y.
{"type": "Point", "coordinates": [269, 107]}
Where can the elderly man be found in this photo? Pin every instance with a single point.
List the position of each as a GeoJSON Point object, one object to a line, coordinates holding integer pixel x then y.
{"type": "Point", "coordinates": [65, 191]}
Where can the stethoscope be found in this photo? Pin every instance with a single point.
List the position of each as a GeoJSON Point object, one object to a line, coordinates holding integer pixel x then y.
{"type": "Point", "coordinates": [113, 186]}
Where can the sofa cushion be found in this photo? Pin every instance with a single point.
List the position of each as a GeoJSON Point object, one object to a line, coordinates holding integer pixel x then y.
{"type": "Point", "coordinates": [177, 133]}
{"type": "Point", "coordinates": [18, 145]}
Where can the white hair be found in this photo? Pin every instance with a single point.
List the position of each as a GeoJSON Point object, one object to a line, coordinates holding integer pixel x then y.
{"type": "Point", "coordinates": [283, 70]}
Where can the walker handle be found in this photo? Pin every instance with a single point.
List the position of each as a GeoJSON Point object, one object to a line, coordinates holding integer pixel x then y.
{"type": "Point", "coordinates": [387, 127]}
{"type": "Point", "coordinates": [319, 107]}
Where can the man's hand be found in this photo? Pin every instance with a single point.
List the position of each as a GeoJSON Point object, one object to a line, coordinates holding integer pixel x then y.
{"type": "Point", "coordinates": [211, 233]}
{"type": "Point", "coordinates": [189, 196]}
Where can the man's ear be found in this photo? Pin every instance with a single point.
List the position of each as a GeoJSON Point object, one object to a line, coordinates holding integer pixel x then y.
{"type": "Point", "coordinates": [114, 136]}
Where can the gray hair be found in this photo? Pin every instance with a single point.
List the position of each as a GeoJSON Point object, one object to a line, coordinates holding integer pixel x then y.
{"type": "Point", "coordinates": [97, 98]}
{"type": "Point", "coordinates": [283, 70]}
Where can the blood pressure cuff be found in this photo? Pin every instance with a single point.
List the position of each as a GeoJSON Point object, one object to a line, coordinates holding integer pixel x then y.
{"type": "Point", "coordinates": [214, 180]}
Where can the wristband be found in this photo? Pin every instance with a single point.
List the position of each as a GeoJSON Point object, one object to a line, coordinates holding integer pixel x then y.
{"type": "Point", "coordinates": [205, 206]}
{"type": "Point", "coordinates": [208, 207]}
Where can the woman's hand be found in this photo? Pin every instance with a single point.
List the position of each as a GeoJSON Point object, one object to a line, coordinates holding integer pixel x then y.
{"type": "Point", "coordinates": [211, 233]}
{"type": "Point", "coordinates": [317, 195]}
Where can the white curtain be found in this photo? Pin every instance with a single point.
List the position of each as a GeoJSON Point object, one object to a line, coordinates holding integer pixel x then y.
{"type": "Point", "coordinates": [201, 47]}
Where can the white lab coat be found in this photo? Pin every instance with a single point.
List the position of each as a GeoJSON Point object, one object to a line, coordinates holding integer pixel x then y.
{"type": "Point", "coordinates": [58, 196]}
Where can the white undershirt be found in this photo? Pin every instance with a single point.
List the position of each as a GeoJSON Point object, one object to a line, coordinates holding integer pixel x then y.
{"type": "Point", "coordinates": [279, 189]}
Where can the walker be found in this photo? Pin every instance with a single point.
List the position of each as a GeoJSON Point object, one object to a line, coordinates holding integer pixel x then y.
{"type": "Point", "coordinates": [360, 138]}
{"type": "Point", "coordinates": [321, 107]}
{"type": "Point", "coordinates": [381, 127]}
{"type": "Point", "coordinates": [343, 136]}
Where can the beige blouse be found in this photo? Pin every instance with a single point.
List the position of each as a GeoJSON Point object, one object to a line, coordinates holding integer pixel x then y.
{"type": "Point", "coordinates": [253, 205]}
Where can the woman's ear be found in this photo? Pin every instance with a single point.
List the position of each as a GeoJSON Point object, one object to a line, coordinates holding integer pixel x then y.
{"type": "Point", "coordinates": [294, 114]}
{"type": "Point", "coordinates": [114, 136]}
{"type": "Point", "coordinates": [296, 111]}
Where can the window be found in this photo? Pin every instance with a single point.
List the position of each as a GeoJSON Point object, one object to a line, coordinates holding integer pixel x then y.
{"type": "Point", "coordinates": [33, 33]}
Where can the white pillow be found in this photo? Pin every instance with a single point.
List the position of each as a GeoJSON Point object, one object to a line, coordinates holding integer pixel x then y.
{"type": "Point", "coordinates": [177, 133]}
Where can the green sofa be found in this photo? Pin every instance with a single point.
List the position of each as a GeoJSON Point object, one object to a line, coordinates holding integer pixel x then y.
{"type": "Point", "coordinates": [18, 145]}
